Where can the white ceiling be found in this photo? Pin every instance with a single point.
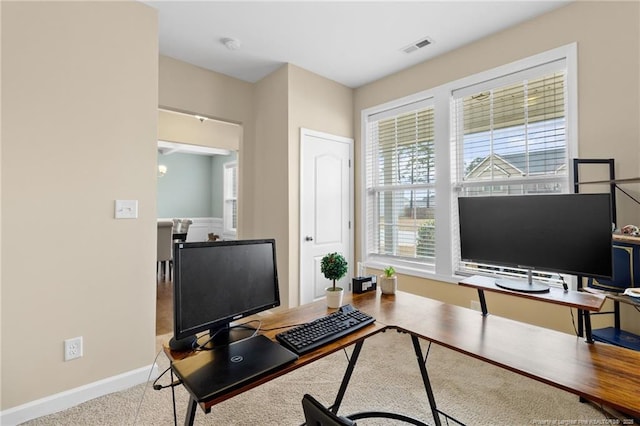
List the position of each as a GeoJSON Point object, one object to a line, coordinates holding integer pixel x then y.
{"type": "Point", "coordinates": [351, 42]}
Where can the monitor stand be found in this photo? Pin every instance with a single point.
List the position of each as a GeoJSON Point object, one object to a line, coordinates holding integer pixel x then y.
{"type": "Point", "coordinates": [221, 337]}
{"type": "Point", "coordinates": [528, 286]}
{"type": "Point", "coordinates": [182, 345]}
{"type": "Point", "coordinates": [228, 334]}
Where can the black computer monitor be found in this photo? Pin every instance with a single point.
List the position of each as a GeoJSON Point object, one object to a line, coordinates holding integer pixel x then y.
{"type": "Point", "coordinates": [216, 283]}
{"type": "Point", "coordinates": [564, 233]}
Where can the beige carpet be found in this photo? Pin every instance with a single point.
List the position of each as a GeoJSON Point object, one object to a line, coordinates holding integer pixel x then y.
{"type": "Point", "coordinates": [386, 378]}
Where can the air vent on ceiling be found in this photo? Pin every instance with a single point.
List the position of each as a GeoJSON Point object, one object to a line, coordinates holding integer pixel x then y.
{"type": "Point", "coordinates": [417, 45]}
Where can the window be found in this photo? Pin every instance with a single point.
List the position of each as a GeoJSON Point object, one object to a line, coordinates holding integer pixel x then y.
{"type": "Point", "coordinates": [230, 214]}
{"type": "Point", "coordinates": [510, 130]}
{"type": "Point", "coordinates": [510, 139]}
{"type": "Point", "coordinates": [512, 133]}
{"type": "Point", "coordinates": [400, 184]}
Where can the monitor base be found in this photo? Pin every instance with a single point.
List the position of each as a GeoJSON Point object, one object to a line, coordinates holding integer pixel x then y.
{"type": "Point", "coordinates": [182, 345]}
{"type": "Point", "coordinates": [226, 335]}
{"type": "Point", "coordinates": [523, 286]}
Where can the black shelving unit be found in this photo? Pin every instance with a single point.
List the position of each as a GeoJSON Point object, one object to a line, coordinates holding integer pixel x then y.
{"type": "Point", "coordinates": [613, 335]}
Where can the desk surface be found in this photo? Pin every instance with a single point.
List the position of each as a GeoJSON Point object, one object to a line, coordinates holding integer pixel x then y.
{"type": "Point", "coordinates": [598, 372]}
{"type": "Point", "coordinates": [573, 299]}
{"type": "Point", "coordinates": [618, 297]}
{"type": "Point", "coordinates": [626, 238]}
{"type": "Point", "coordinates": [291, 317]}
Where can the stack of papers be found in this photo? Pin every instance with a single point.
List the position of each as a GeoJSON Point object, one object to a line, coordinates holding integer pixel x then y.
{"type": "Point", "coordinates": [633, 292]}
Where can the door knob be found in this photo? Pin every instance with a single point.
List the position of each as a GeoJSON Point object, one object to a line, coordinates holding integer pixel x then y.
{"type": "Point", "coordinates": [308, 238]}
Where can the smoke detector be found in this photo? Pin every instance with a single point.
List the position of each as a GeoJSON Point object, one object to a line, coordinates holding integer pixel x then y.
{"type": "Point", "coordinates": [231, 43]}
{"type": "Point", "coordinates": [423, 42]}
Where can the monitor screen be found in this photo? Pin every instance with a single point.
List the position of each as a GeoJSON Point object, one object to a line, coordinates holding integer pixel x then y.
{"type": "Point", "coordinates": [216, 283]}
{"type": "Point", "coordinates": [565, 233]}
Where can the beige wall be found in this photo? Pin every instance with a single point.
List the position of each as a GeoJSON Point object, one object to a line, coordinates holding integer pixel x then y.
{"type": "Point", "coordinates": [609, 107]}
{"type": "Point", "coordinates": [269, 175]}
{"type": "Point", "coordinates": [190, 89]}
{"type": "Point", "coordinates": [546, 315]}
{"type": "Point", "coordinates": [319, 104]}
{"type": "Point", "coordinates": [272, 112]}
{"type": "Point", "coordinates": [186, 129]}
{"type": "Point", "coordinates": [79, 110]}
{"type": "Point", "coordinates": [187, 88]}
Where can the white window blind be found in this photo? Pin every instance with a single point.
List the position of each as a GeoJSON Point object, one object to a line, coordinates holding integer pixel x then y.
{"type": "Point", "coordinates": [510, 139]}
{"type": "Point", "coordinates": [400, 184]}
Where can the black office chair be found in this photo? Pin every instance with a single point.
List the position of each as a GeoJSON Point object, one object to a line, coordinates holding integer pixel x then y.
{"type": "Point", "coordinates": [316, 414]}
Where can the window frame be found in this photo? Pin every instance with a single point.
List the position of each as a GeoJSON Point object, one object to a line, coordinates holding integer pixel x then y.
{"type": "Point", "coordinates": [415, 103]}
{"type": "Point", "coordinates": [444, 268]}
{"type": "Point", "coordinates": [229, 201]}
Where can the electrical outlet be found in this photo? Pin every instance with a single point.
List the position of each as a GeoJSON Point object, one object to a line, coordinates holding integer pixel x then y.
{"type": "Point", "coordinates": [72, 348]}
{"type": "Point", "coordinates": [475, 305]}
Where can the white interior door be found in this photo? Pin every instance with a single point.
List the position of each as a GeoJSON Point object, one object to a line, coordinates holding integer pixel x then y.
{"type": "Point", "coordinates": [326, 208]}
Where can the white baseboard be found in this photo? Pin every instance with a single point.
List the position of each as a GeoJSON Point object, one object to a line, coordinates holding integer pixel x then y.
{"type": "Point", "coordinates": [72, 397]}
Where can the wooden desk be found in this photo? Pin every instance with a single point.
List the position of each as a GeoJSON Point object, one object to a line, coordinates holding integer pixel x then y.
{"type": "Point", "coordinates": [631, 239]}
{"type": "Point", "coordinates": [600, 373]}
{"type": "Point", "coordinates": [286, 318]}
{"type": "Point", "coordinates": [615, 335]}
{"type": "Point", "coordinates": [603, 374]}
{"type": "Point", "coordinates": [626, 260]}
{"type": "Point", "coordinates": [586, 302]}
{"type": "Point", "coordinates": [622, 298]}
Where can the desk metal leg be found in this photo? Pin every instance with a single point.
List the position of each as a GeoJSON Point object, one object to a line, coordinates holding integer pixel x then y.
{"type": "Point", "coordinates": [483, 302]}
{"type": "Point", "coordinates": [427, 386]}
{"type": "Point", "coordinates": [587, 327]}
{"type": "Point", "coordinates": [581, 322]}
{"type": "Point", "coordinates": [616, 314]}
{"type": "Point", "coordinates": [173, 398]}
{"type": "Point", "coordinates": [191, 412]}
{"type": "Point", "coordinates": [425, 380]}
{"type": "Point", "coordinates": [347, 376]}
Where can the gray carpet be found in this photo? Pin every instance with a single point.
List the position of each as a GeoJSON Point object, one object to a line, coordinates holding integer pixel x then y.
{"type": "Point", "coordinates": [386, 378]}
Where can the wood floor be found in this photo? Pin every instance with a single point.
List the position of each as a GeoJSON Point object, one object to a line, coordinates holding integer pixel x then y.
{"type": "Point", "coordinates": [164, 306]}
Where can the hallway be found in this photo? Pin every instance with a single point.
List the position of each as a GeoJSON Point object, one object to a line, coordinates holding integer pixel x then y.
{"type": "Point", "coordinates": [164, 307]}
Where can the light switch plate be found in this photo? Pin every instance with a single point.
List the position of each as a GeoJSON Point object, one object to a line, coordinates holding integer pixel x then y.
{"type": "Point", "coordinates": [126, 209]}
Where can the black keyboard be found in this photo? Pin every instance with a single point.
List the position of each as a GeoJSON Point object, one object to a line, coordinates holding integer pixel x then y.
{"type": "Point", "coordinates": [323, 330]}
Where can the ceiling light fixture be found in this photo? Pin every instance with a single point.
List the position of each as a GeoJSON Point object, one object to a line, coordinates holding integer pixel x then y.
{"type": "Point", "coordinates": [231, 43]}
{"type": "Point", "coordinates": [201, 118]}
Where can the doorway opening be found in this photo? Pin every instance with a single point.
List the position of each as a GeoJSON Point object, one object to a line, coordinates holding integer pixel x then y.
{"type": "Point", "coordinates": [198, 164]}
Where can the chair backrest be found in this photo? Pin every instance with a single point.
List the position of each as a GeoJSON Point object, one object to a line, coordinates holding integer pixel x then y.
{"type": "Point", "coordinates": [184, 225]}
{"type": "Point", "coordinates": [165, 240]}
{"type": "Point", "coordinates": [181, 226]}
{"type": "Point", "coordinates": [316, 414]}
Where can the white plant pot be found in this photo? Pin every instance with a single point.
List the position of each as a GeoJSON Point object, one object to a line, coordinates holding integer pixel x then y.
{"type": "Point", "coordinates": [334, 298]}
{"type": "Point", "coordinates": [388, 285]}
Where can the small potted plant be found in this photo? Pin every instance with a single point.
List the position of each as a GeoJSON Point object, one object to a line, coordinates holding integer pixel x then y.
{"type": "Point", "coordinates": [388, 281]}
{"type": "Point", "coordinates": [334, 266]}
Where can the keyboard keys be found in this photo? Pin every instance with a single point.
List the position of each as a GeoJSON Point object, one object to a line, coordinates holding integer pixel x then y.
{"type": "Point", "coordinates": [324, 330]}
